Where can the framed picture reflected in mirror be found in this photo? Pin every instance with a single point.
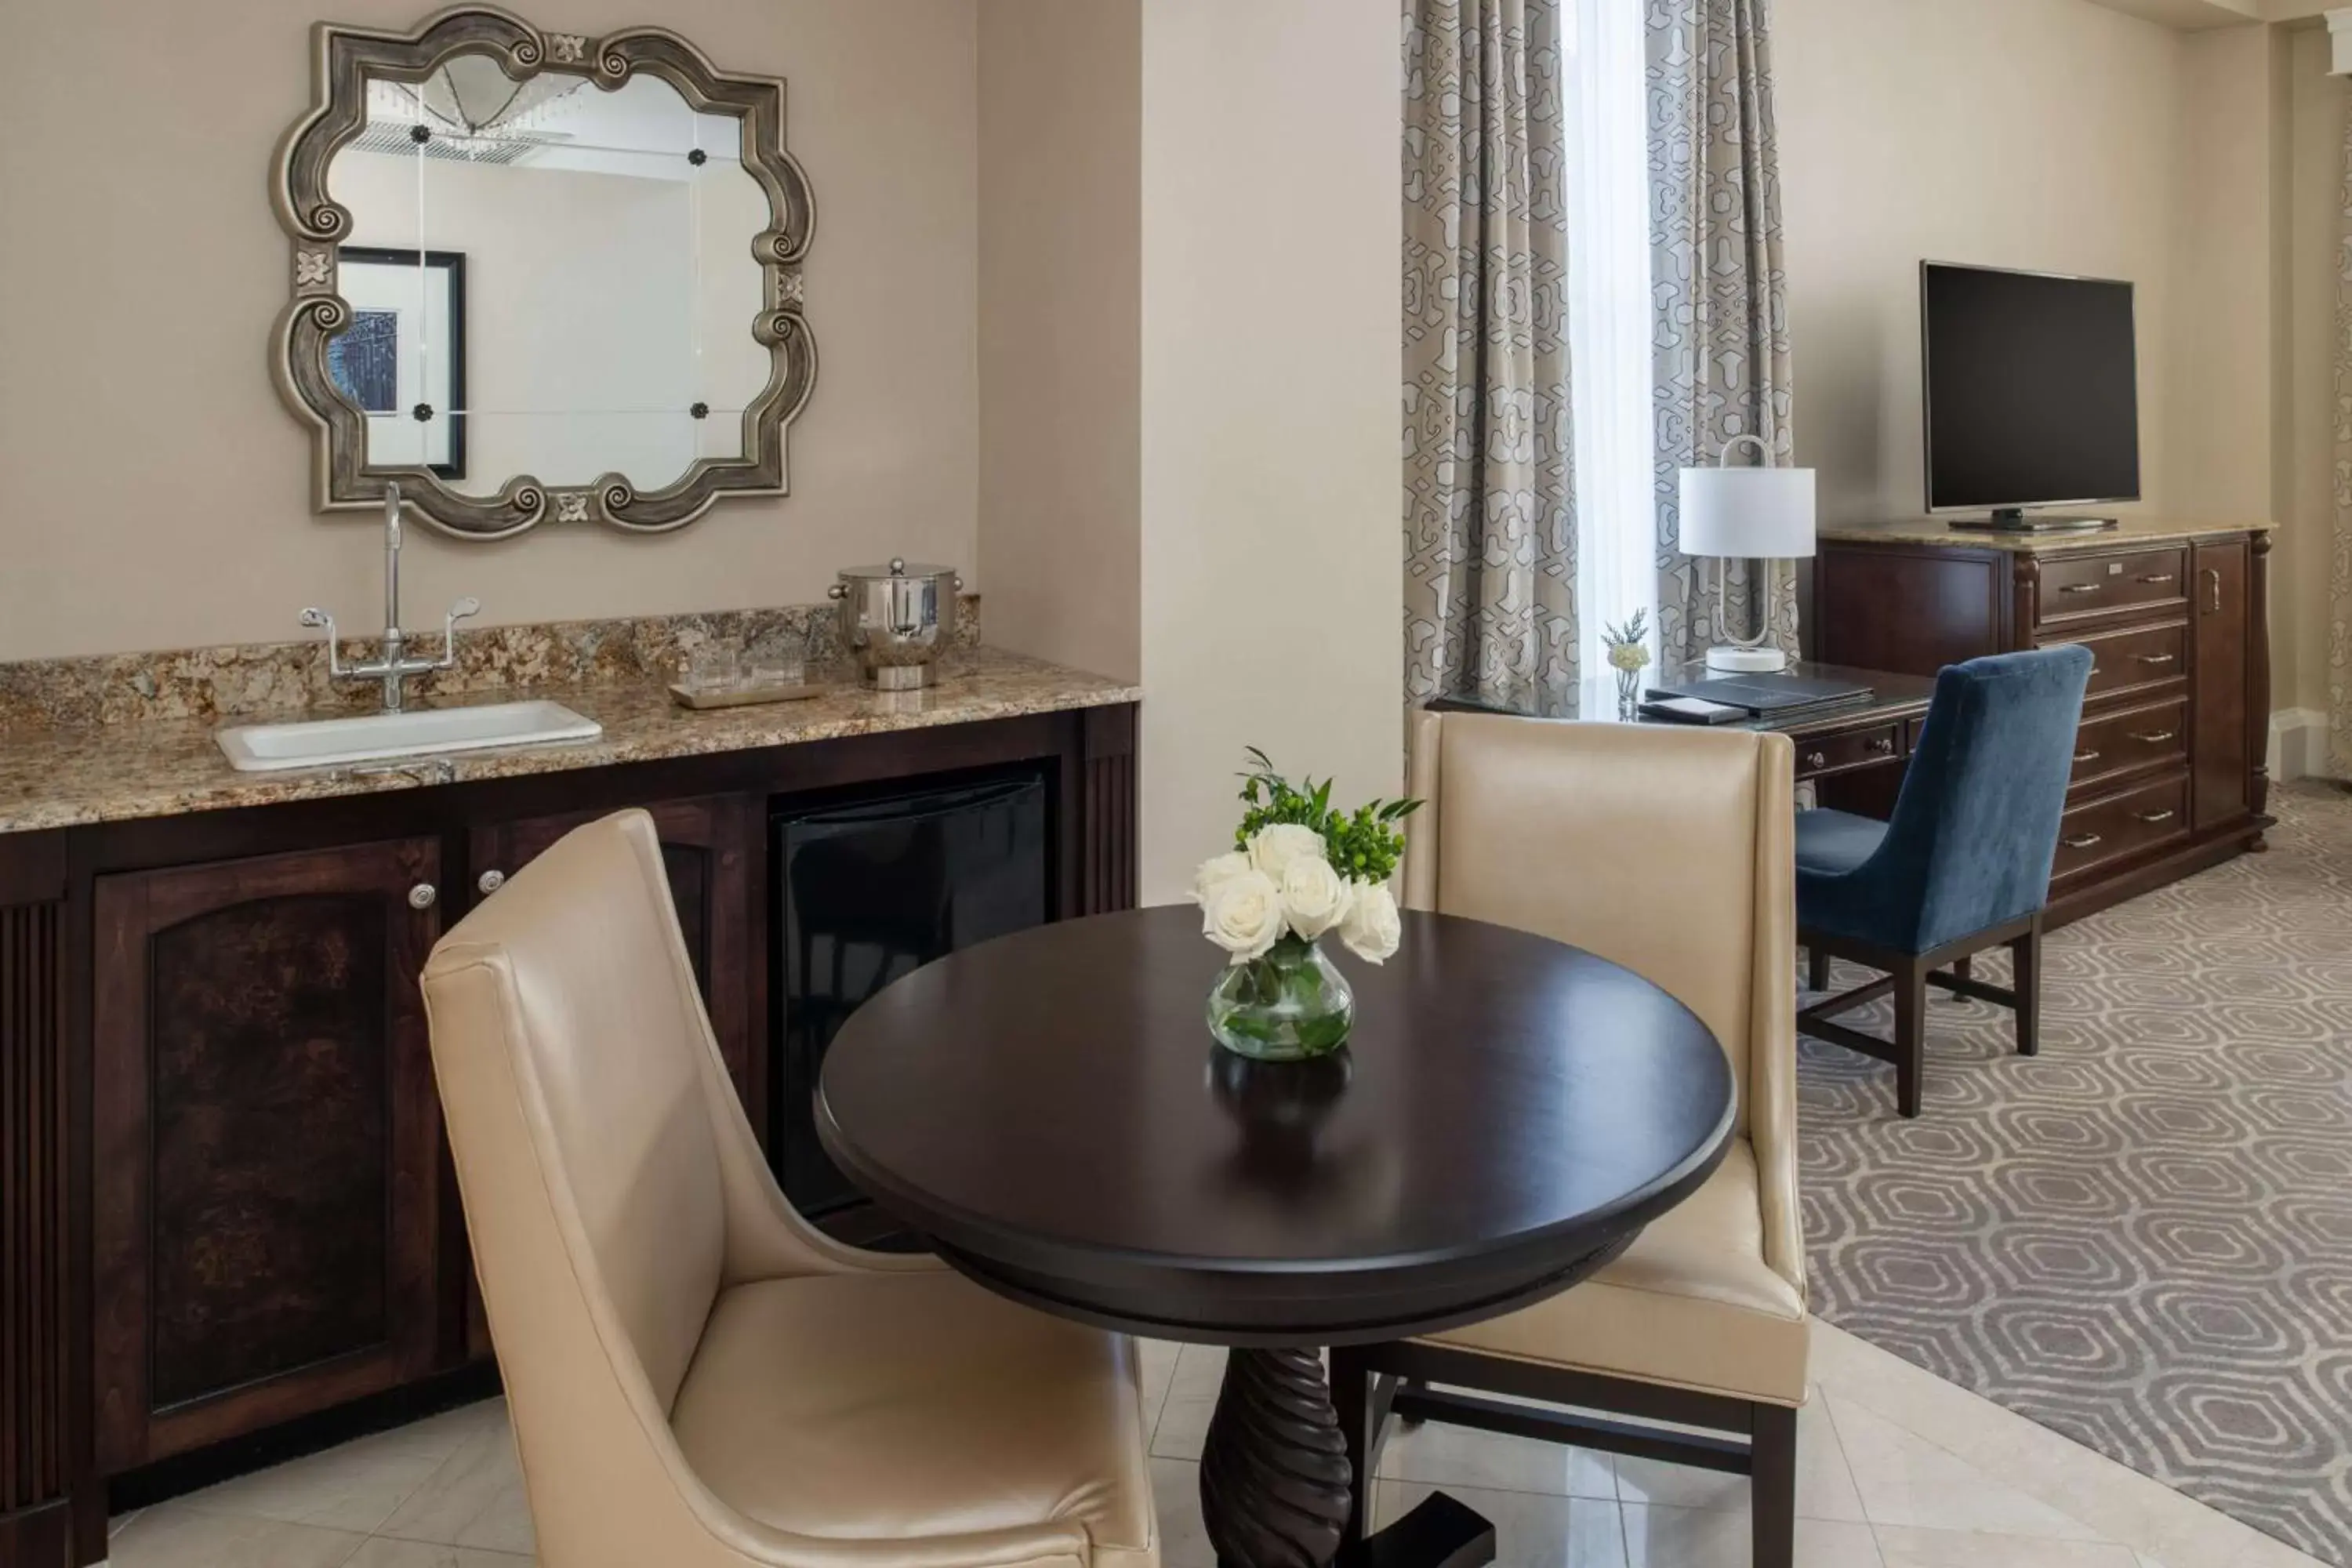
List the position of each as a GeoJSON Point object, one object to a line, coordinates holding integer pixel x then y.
{"type": "Point", "coordinates": [402, 361]}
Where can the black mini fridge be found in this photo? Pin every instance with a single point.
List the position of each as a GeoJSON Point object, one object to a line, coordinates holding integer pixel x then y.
{"type": "Point", "coordinates": [869, 889]}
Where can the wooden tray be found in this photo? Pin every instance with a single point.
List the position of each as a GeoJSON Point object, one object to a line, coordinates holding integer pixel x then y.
{"type": "Point", "coordinates": [700, 700]}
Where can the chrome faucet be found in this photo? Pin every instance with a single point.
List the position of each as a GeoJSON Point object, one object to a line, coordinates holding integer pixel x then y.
{"type": "Point", "coordinates": [395, 665]}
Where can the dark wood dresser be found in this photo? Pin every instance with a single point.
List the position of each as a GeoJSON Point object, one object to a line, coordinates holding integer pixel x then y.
{"type": "Point", "coordinates": [2169, 771]}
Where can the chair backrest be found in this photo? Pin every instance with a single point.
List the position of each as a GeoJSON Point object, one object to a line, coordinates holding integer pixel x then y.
{"type": "Point", "coordinates": [1667, 850]}
{"type": "Point", "coordinates": [1975, 830]}
{"type": "Point", "coordinates": [582, 1089]}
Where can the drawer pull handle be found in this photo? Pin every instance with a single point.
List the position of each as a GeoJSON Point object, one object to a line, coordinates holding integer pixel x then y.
{"type": "Point", "coordinates": [2082, 757]}
{"type": "Point", "coordinates": [2084, 841]}
{"type": "Point", "coordinates": [2155, 737]}
{"type": "Point", "coordinates": [1882, 746]}
{"type": "Point", "coordinates": [2153, 817]}
{"type": "Point", "coordinates": [2155, 577]}
{"type": "Point", "coordinates": [1817, 759]}
{"type": "Point", "coordinates": [2213, 585]}
{"type": "Point", "coordinates": [2081, 588]}
{"type": "Point", "coordinates": [2156, 658]}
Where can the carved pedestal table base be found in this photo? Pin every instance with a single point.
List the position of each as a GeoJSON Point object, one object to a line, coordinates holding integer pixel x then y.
{"type": "Point", "coordinates": [1275, 1479]}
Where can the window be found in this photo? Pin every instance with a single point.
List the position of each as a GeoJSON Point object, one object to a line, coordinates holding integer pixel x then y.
{"type": "Point", "coordinates": [1604, 68]}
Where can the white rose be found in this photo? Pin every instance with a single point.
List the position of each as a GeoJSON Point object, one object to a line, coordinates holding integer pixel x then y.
{"type": "Point", "coordinates": [1314, 897]}
{"type": "Point", "coordinates": [1274, 848]}
{"type": "Point", "coordinates": [1243, 915]}
{"type": "Point", "coordinates": [1372, 928]}
{"type": "Point", "coordinates": [1215, 869]}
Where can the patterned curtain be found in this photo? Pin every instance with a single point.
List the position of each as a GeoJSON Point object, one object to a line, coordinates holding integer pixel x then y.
{"type": "Point", "coordinates": [1722, 298]}
{"type": "Point", "coordinates": [2339, 595]}
{"type": "Point", "coordinates": [1490, 526]}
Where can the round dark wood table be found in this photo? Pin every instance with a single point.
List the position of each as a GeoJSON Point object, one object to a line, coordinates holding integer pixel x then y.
{"type": "Point", "coordinates": [1050, 1110]}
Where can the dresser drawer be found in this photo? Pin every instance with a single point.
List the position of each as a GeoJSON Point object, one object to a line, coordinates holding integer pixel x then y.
{"type": "Point", "coordinates": [2112, 745]}
{"type": "Point", "coordinates": [2076, 586]}
{"type": "Point", "coordinates": [1853, 749]}
{"type": "Point", "coordinates": [2122, 824]}
{"type": "Point", "coordinates": [2136, 659]}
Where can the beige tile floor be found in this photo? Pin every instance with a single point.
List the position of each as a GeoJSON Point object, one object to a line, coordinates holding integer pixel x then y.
{"type": "Point", "coordinates": [1900, 1470]}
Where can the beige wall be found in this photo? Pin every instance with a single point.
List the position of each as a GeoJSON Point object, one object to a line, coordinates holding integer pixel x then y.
{"type": "Point", "coordinates": [2216, 459]}
{"type": "Point", "coordinates": [2299, 563]}
{"type": "Point", "coordinates": [2033, 133]}
{"type": "Point", "coordinates": [138, 256]}
{"type": "Point", "coordinates": [1061, 236]}
{"type": "Point", "coordinates": [1272, 576]}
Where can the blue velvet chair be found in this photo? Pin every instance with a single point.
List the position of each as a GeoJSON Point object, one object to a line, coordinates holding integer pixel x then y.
{"type": "Point", "coordinates": [1962, 865]}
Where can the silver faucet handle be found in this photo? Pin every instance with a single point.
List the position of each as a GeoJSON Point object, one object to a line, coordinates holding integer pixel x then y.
{"type": "Point", "coordinates": [463, 609]}
{"type": "Point", "coordinates": [314, 620]}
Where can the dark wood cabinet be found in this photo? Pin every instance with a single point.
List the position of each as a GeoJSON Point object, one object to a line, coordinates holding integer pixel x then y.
{"type": "Point", "coordinates": [226, 1203]}
{"type": "Point", "coordinates": [2170, 761]}
{"type": "Point", "coordinates": [266, 1139]}
{"type": "Point", "coordinates": [2228, 745]}
{"type": "Point", "coordinates": [38, 1327]}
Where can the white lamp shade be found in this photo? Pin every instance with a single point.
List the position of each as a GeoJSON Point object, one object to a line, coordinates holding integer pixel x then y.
{"type": "Point", "coordinates": [1748, 514]}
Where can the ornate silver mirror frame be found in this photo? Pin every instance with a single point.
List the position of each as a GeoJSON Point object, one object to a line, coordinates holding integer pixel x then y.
{"type": "Point", "coordinates": [343, 59]}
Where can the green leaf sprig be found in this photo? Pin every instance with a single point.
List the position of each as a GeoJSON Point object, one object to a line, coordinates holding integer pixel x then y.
{"type": "Point", "coordinates": [1365, 845]}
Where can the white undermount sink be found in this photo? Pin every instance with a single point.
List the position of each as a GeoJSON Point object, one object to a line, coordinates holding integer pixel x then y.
{"type": "Point", "coordinates": [392, 737]}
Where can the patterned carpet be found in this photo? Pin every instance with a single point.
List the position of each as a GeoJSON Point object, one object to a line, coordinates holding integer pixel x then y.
{"type": "Point", "coordinates": [2143, 1237]}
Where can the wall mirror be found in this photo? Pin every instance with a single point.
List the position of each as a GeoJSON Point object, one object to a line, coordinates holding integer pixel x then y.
{"type": "Point", "coordinates": [539, 276]}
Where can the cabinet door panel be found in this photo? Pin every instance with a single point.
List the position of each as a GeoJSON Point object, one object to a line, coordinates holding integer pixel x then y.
{"type": "Point", "coordinates": [268, 1140]}
{"type": "Point", "coordinates": [2222, 762]}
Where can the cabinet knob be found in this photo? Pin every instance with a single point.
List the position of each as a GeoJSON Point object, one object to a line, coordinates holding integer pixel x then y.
{"type": "Point", "coordinates": [421, 896]}
{"type": "Point", "coordinates": [1882, 746]}
{"type": "Point", "coordinates": [490, 881]}
{"type": "Point", "coordinates": [1817, 759]}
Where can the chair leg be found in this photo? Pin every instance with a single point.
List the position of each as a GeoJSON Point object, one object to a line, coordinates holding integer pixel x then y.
{"type": "Point", "coordinates": [1910, 1035]}
{"type": "Point", "coordinates": [1772, 1512]}
{"type": "Point", "coordinates": [1817, 969]}
{"type": "Point", "coordinates": [2026, 955]}
{"type": "Point", "coordinates": [1350, 1383]}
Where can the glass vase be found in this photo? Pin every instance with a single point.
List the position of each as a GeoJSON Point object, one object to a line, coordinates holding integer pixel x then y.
{"type": "Point", "coordinates": [1289, 1005]}
{"type": "Point", "coordinates": [1628, 694]}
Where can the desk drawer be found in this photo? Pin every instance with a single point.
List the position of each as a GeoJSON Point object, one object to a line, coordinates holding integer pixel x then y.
{"type": "Point", "coordinates": [1820, 755]}
{"type": "Point", "coordinates": [2122, 824]}
{"type": "Point", "coordinates": [2141, 656]}
{"type": "Point", "coordinates": [2132, 740]}
{"type": "Point", "coordinates": [2077, 585]}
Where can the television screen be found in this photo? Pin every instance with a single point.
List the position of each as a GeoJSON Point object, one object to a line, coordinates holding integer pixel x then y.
{"type": "Point", "coordinates": [2032, 389]}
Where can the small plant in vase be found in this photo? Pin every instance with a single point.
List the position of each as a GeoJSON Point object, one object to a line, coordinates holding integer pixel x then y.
{"type": "Point", "coordinates": [1299, 871]}
{"type": "Point", "coordinates": [1629, 656]}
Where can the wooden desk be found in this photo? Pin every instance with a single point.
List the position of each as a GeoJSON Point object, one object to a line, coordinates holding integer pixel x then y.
{"type": "Point", "coordinates": [1856, 755]}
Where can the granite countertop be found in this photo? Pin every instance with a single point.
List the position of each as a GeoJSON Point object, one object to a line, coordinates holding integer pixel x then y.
{"type": "Point", "coordinates": [74, 774]}
{"type": "Point", "coordinates": [2130, 531]}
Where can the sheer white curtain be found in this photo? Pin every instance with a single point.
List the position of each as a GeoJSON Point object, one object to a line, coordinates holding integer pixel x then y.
{"type": "Point", "coordinates": [1605, 63]}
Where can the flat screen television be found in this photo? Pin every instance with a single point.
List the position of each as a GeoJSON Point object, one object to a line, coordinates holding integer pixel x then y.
{"type": "Point", "coordinates": [2033, 393]}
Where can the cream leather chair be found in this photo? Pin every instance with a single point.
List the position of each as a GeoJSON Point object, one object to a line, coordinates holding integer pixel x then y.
{"type": "Point", "coordinates": [697, 1377]}
{"type": "Point", "coordinates": [1668, 851]}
